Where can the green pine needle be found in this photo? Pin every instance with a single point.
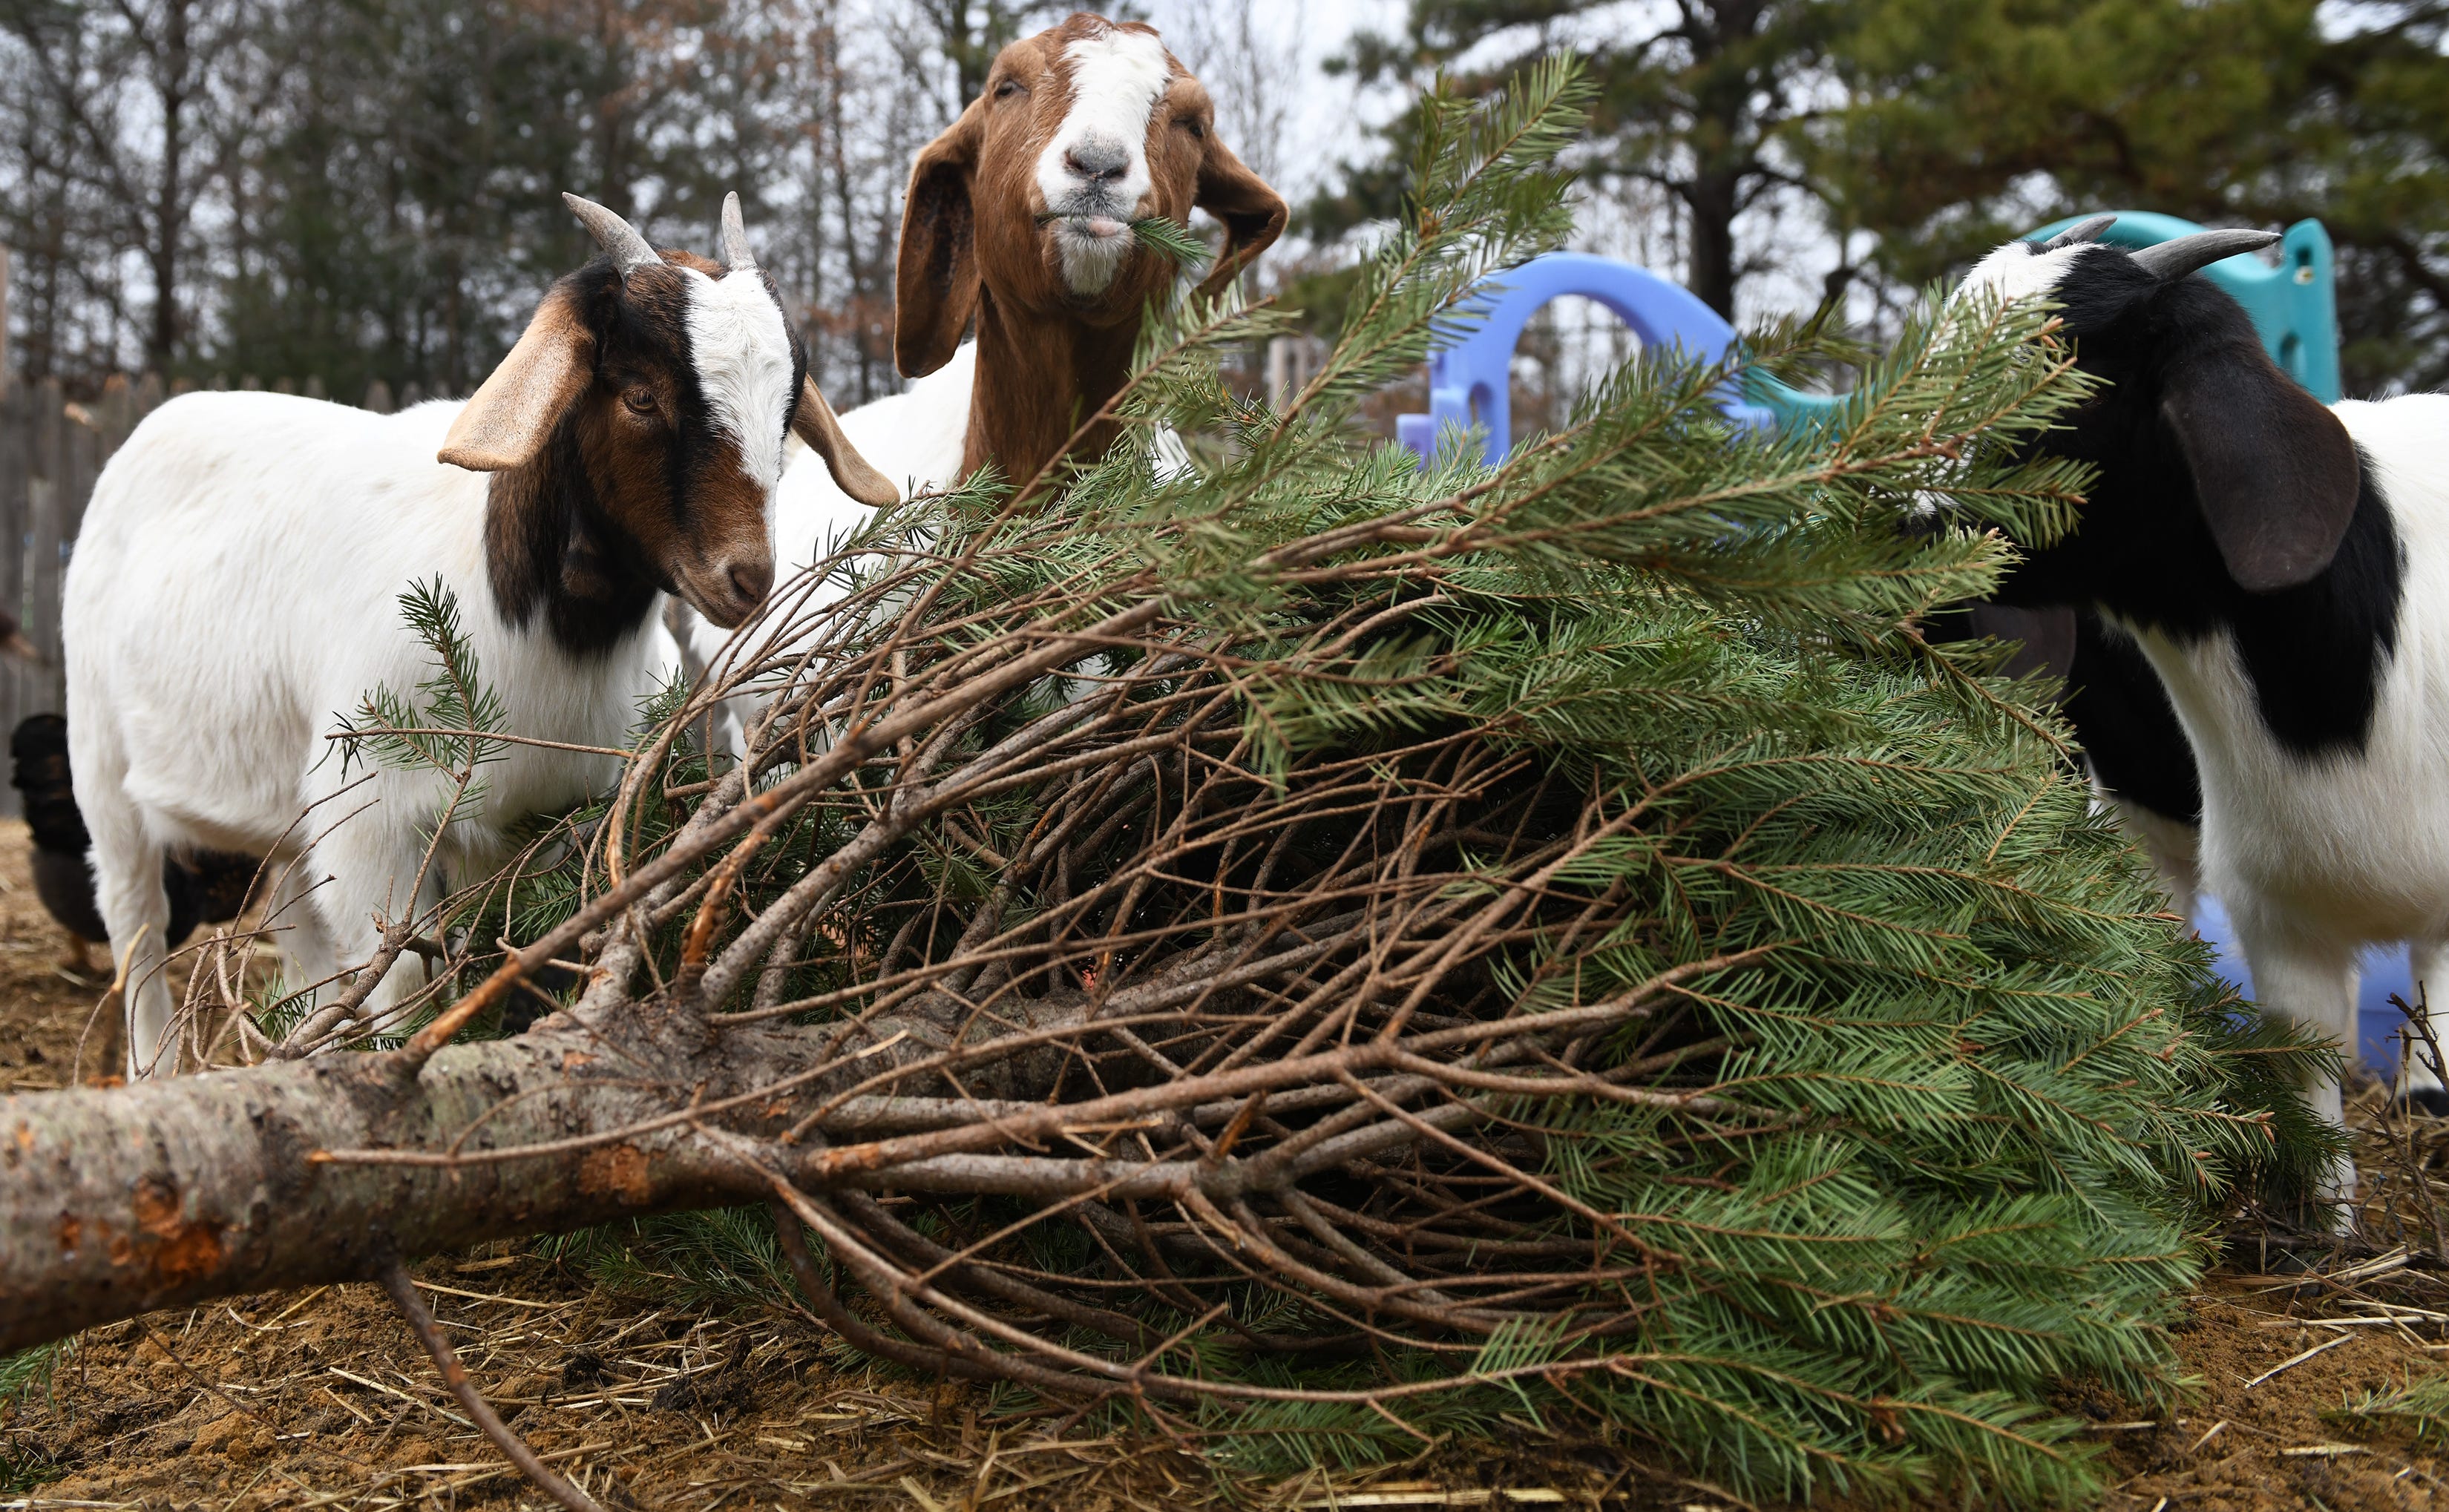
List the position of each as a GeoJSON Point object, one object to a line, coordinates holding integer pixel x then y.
{"type": "Point", "coordinates": [2421, 1406]}
{"type": "Point", "coordinates": [1169, 239]}
{"type": "Point", "coordinates": [443, 725]}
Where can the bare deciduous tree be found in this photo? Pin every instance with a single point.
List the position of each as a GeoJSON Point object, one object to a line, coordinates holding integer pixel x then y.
{"type": "Point", "coordinates": [1251, 72]}
{"type": "Point", "coordinates": [150, 98]}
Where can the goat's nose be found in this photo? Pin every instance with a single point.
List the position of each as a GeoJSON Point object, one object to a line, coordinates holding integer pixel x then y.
{"type": "Point", "coordinates": [751, 578]}
{"type": "Point", "coordinates": [1097, 159]}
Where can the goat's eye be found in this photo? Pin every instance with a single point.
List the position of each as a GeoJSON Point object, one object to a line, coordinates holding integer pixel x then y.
{"type": "Point", "coordinates": [1197, 127]}
{"type": "Point", "coordinates": [1010, 88]}
{"type": "Point", "coordinates": [641, 401]}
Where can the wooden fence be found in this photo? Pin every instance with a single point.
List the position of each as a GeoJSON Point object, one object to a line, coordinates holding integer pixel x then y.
{"type": "Point", "coordinates": [51, 448]}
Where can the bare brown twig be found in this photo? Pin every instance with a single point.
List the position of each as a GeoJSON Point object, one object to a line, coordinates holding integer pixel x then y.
{"type": "Point", "coordinates": [397, 1282]}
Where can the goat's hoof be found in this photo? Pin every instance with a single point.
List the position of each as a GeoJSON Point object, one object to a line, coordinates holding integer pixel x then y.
{"type": "Point", "coordinates": [2433, 1102]}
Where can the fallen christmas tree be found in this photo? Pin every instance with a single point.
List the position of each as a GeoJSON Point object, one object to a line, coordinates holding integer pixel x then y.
{"type": "Point", "coordinates": [1332, 949]}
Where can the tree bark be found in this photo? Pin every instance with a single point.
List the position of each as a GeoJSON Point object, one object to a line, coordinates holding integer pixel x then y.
{"type": "Point", "coordinates": [117, 1201]}
{"type": "Point", "coordinates": [114, 1203]}
{"type": "Point", "coordinates": [1711, 201]}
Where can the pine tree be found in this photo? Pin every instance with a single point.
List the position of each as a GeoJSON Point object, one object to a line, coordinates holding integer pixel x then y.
{"type": "Point", "coordinates": [1898, 1101]}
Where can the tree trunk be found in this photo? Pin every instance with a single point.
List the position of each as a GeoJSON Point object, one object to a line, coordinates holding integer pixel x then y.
{"type": "Point", "coordinates": [1723, 138]}
{"type": "Point", "coordinates": [171, 212]}
{"type": "Point", "coordinates": [169, 1192]}
{"type": "Point", "coordinates": [1711, 202]}
{"type": "Point", "coordinates": [113, 1203]}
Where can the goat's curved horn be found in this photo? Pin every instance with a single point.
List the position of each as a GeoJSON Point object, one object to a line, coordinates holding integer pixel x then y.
{"type": "Point", "coordinates": [735, 237]}
{"type": "Point", "coordinates": [2172, 260]}
{"type": "Point", "coordinates": [618, 238]}
{"type": "Point", "coordinates": [2088, 229]}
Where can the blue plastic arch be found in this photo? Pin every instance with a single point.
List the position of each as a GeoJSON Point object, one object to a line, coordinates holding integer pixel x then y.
{"type": "Point", "coordinates": [2294, 306]}
{"type": "Point", "coordinates": [1470, 382]}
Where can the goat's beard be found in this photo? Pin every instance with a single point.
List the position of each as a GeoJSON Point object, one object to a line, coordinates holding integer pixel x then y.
{"type": "Point", "coordinates": [1090, 254]}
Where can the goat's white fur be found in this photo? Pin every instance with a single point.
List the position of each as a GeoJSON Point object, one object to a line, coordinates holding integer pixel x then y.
{"type": "Point", "coordinates": [1116, 81]}
{"type": "Point", "coordinates": [2314, 859]}
{"type": "Point", "coordinates": [2015, 272]}
{"type": "Point", "coordinates": [742, 358]}
{"type": "Point", "coordinates": [234, 593]}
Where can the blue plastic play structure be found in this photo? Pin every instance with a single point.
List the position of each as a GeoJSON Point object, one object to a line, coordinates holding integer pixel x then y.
{"type": "Point", "coordinates": [2293, 304]}
{"type": "Point", "coordinates": [1469, 382]}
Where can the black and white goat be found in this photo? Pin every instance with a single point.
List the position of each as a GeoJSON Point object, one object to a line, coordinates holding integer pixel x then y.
{"type": "Point", "coordinates": [2276, 562]}
{"type": "Point", "coordinates": [236, 588]}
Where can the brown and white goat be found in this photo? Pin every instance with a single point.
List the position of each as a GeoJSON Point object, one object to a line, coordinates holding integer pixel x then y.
{"type": "Point", "coordinates": [1019, 220]}
{"type": "Point", "coordinates": [1019, 216]}
{"type": "Point", "coordinates": [237, 584]}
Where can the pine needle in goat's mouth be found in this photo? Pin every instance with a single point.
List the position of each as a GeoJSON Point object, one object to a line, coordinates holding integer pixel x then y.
{"type": "Point", "coordinates": [1159, 234]}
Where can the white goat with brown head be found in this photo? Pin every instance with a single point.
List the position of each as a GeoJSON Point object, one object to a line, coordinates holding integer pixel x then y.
{"type": "Point", "coordinates": [236, 587]}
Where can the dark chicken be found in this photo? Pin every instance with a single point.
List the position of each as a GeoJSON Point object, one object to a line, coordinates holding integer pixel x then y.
{"type": "Point", "coordinates": [206, 887]}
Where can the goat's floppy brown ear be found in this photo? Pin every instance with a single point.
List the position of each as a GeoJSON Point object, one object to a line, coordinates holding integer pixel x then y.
{"type": "Point", "coordinates": [1253, 212]}
{"type": "Point", "coordinates": [812, 420]}
{"type": "Point", "coordinates": [515, 409]}
{"type": "Point", "coordinates": [2275, 471]}
{"type": "Point", "coordinates": [935, 273]}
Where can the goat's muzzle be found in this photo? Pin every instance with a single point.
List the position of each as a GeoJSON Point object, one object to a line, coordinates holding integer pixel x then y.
{"type": "Point", "coordinates": [1096, 227]}
{"type": "Point", "coordinates": [728, 589]}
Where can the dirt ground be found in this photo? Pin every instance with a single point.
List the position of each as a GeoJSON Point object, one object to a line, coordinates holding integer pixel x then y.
{"type": "Point", "coordinates": [325, 1399]}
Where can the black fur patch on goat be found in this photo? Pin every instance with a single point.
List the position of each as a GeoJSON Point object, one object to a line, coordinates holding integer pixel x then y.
{"type": "Point", "coordinates": [2145, 548]}
{"type": "Point", "coordinates": [2128, 729]}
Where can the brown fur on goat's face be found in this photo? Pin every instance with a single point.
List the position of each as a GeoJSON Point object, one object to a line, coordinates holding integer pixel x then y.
{"type": "Point", "coordinates": [1082, 129]}
{"type": "Point", "coordinates": [626, 458]}
{"type": "Point", "coordinates": [637, 432]}
{"type": "Point", "coordinates": [674, 481]}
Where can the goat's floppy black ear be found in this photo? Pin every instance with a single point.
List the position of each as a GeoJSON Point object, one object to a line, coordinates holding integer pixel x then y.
{"type": "Point", "coordinates": [813, 422]}
{"type": "Point", "coordinates": [514, 410]}
{"type": "Point", "coordinates": [935, 275]}
{"type": "Point", "coordinates": [2275, 470]}
{"type": "Point", "coordinates": [1253, 214]}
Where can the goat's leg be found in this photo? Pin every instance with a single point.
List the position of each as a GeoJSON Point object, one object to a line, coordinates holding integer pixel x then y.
{"type": "Point", "coordinates": [127, 888]}
{"type": "Point", "coordinates": [2174, 847]}
{"type": "Point", "coordinates": [300, 938]}
{"type": "Point", "coordinates": [365, 872]}
{"type": "Point", "coordinates": [2312, 982]}
{"type": "Point", "coordinates": [2420, 1083]}
{"type": "Point", "coordinates": [697, 645]}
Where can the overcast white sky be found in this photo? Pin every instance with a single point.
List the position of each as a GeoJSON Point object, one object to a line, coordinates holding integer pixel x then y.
{"type": "Point", "coordinates": [1329, 116]}
{"type": "Point", "coordinates": [1331, 119]}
